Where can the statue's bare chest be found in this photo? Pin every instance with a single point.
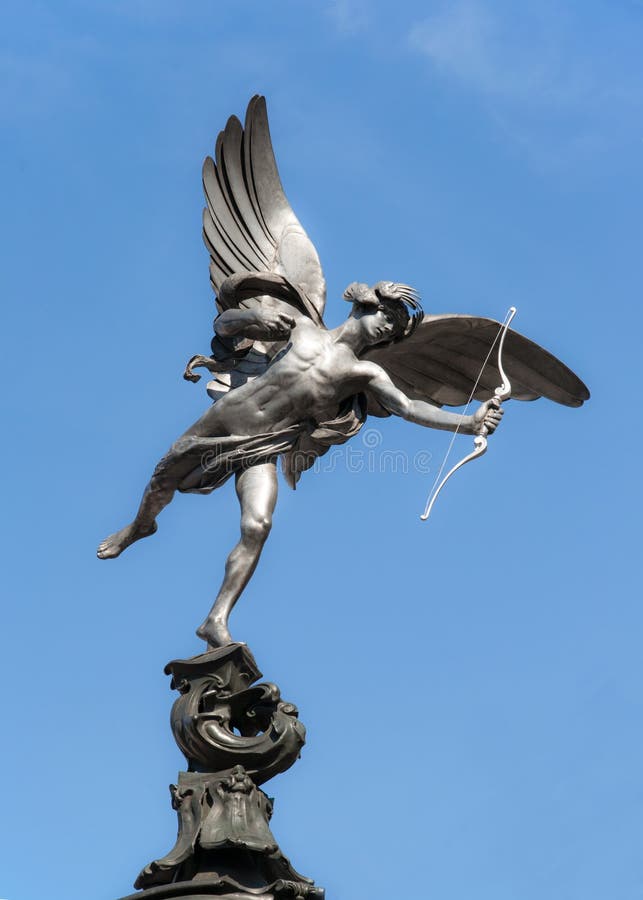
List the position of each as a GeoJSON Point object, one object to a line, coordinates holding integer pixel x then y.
{"type": "Point", "coordinates": [312, 366]}
{"type": "Point", "coordinates": [312, 353]}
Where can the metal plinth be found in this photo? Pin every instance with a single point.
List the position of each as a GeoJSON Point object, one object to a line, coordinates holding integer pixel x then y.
{"type": "Point", "coordinates": [188, 890]}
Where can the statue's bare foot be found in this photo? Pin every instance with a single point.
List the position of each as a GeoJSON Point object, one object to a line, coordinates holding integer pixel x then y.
{"type": "Point", "coordinates": [114, 545]}
{"type": "Point", "coordinates": [214, 632]}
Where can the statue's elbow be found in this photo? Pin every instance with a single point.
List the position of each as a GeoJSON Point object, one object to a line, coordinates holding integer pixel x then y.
{"type": "Point", "coordinates": [224, 327]}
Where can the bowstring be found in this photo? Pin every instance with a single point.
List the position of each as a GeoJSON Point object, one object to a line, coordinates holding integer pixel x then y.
{"type": "Point", "coordinates": [466, 407]}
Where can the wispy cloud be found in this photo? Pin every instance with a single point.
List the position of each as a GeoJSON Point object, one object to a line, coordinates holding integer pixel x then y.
{"type": "Point", "coordinates": [523, 55]}
{"type": "Point", "coordinates": [349, 16]}
{"type": "Point", "coordinates": [544, 78]}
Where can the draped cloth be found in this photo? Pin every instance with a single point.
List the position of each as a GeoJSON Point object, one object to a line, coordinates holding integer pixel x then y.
{"type": "Point", "coordinates": [199, 465]}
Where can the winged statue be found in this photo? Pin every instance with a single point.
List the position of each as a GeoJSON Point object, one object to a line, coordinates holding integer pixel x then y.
{"type": "Point", "coordinates": [285, 387]}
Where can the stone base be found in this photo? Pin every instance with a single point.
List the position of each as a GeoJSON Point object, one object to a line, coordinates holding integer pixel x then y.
{"type": "Point", "coordinates": [235, 736]}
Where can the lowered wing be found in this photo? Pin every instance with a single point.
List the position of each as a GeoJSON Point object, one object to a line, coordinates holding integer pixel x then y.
{"type": "Point", "coordinates": [441, 361]}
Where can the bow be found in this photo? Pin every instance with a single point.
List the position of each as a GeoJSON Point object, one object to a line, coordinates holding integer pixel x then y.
{"type": "Point", "coordinates": [503, 392]}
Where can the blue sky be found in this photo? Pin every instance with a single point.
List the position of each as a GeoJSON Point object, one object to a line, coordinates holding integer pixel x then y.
{"type": "Point", "coordinates": [487, 740]}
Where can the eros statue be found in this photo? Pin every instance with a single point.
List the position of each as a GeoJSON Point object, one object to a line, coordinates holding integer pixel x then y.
{"type": "Point", "coordinates": [285, 386]}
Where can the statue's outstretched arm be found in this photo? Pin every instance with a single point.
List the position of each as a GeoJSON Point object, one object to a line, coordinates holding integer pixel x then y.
{"type": "Point", "coordinates": [487, 415]}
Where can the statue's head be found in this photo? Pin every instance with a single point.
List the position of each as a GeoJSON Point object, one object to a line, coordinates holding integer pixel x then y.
{"type": "Point", "coordinates": [387, 311]}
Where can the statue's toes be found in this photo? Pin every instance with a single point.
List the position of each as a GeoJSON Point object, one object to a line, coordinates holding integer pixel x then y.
{"type": "Point", "coordinates": [106, 550]}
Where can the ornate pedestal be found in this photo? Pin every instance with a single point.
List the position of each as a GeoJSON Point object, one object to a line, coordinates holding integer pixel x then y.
{"type": "Point", "coordinates": [235, 735]}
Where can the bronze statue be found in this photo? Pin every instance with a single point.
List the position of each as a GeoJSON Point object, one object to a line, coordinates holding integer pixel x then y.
{"type": "Point", "coordinates": [286, 387]}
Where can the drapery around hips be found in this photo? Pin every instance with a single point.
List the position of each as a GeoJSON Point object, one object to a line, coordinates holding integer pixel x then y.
{"type": "Point", "coordinates": [203, 464]}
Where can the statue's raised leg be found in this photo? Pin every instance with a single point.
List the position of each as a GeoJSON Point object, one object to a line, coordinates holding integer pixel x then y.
{"type": "Point", "coordinates": [160, 490]}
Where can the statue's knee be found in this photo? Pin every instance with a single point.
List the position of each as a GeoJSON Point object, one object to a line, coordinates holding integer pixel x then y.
{"type": "Point", "coordinates": [160, 481]}
{"type": "Point", "coordinates": [255, 528]}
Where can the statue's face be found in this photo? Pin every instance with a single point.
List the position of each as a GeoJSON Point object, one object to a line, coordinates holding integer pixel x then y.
{"type": "Point", "coordinates": [376, 324]}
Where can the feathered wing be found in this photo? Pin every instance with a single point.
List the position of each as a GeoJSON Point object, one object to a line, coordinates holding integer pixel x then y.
{"type": "Point", "coordinates": [442, 359]}
{"type": "Point", "coordinates": [248, 224]}
{"type": "Point", "coordinates": [258, 248]}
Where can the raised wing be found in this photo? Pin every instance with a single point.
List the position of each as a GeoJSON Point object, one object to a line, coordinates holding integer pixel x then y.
{"type": "Point", "coordinates": [442, 359]}
{"type": "Point", "coordinates": [248, 224]}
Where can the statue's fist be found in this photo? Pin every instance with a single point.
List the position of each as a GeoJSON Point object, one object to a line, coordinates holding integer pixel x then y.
{"type": "Point", "coordinates": [273, 324]}
{"type": "Point", "coordinates": [488, 416]}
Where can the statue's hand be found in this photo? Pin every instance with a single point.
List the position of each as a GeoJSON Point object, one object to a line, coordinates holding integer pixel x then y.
{"type": "Point", "coordinates": [270, 324]}
{"type": "Point", "coordinates": [488, 416]}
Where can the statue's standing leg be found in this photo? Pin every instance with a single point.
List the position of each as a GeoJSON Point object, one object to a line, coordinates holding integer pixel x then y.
{"type": "Point", "coordinates": [257, 493]}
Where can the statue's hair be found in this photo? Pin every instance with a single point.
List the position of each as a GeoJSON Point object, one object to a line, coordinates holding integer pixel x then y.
{"type": "Point", "coordinates": [400, 301]}
{"type": "Point", "coordinates": [400, 316]}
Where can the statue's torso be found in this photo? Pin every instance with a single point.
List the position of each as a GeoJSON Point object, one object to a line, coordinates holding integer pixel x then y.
{"type": "Point", "coordinates": [305, 381]}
